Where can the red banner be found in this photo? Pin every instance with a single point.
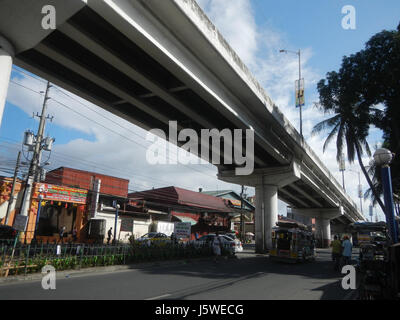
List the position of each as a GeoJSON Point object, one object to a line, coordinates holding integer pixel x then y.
{"type": "Point", "coordinates": [61, 193]}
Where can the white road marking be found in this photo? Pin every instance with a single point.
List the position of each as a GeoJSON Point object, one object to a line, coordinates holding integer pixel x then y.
{"type": "Point", "coordinates": [347, 296]}
{"type": "Point", "coordinates": [159, 297]}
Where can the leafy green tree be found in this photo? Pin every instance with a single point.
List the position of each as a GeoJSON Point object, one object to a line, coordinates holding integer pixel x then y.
{"type": "Point", "coordinates": [382, 86]}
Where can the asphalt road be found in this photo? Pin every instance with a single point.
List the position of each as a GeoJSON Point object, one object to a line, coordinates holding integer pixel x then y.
{"type": "Point", "coordinates": [250, 276]}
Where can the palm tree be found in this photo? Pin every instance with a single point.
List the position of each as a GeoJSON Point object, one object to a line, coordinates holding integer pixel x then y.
{"type": "Point", "coordinates": [376, 179]}
{"type": "Point", "coordinates": [352, 116]}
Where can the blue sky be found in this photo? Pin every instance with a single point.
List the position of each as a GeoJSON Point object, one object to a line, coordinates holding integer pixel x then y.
{"type": "Point", "coordinates": [16, 120]}
{"type": "Point", "coordinates": [317, 24]}
{"type": "Point", "coordinates": [256, 29]}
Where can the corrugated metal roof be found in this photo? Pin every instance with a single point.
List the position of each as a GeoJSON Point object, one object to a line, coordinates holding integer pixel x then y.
{"type": "Point", "coordinates": [175, 195]}
{"type": "Point", "coordinates": [222, 193]}
{"type": "Point", "coordinates": [217, 193]}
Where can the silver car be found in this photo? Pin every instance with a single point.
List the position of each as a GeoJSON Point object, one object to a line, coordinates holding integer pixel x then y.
{"type": "Point", "coordinates": [228, 243]}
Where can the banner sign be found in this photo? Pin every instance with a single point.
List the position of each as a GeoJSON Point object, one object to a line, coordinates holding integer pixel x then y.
{"type": "Point", "coordinates": [61, 193]}
{"type": "Point", "coordinates": [182, 229]}
{"type": "Point", "coordinates": [236, 203]}
{"type": "Point", "coordinates": [95, 198]}
{"type": "Point", "coordinates": [20, 222]}
{"type": "Point", "coordinates": [300, 100]}
{"type": "Point", "coordinates": [127, 224]}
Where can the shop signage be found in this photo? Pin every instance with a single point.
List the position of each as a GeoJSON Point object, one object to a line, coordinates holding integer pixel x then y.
{"type": "Point", "coordinates": [61, 193]}
{"type": "Point", "coordinates": [182, 229]}
{"type": "Point", "coordinates": [236, 203]}
{"type": "Point", "coordinates": [20, 222]}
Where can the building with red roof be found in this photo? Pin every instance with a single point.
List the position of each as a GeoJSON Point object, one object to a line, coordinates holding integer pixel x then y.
{"type": "Point", "coordinates": [206, 213]}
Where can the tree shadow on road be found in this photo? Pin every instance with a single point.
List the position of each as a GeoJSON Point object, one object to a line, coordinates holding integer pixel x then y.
{"type": "Point", "coordinates": [229, 272]}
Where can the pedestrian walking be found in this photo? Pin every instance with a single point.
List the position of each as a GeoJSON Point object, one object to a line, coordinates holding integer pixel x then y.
{"type": "Point", "coordinates": [75, 234]}
{"type": "Point", "coordinates": [109, 235]}
{"type": "Point", "coordinates": [336, 252]}
{"type": "Point", "coordinates": [62, 231]}
{"type": "Point", "coordinates": [217, 246]}
{"type": "Point", "coordinates": [347, 250]}
{"type": "Point", "coordinates": [173, 238]}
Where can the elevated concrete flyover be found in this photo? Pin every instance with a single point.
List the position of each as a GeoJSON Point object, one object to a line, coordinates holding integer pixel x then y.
{"type": "Point", "coordinates": [152, 61]}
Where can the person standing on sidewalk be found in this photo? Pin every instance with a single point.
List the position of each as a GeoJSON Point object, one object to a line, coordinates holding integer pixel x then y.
{"type": "Point", "coordinates": [75, 234]}
{"type": "Point", "coordinates": [62, 231]}
{"type": "Point", "coordinates": [217, 246]}
{"type": "Point", "coordinates": [347, 250]}
{"type": "Point", "coordinates": [336, 252]}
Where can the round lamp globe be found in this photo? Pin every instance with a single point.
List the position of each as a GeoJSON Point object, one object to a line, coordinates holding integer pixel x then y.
{"type": "Point", "coordinates": [383, 157]}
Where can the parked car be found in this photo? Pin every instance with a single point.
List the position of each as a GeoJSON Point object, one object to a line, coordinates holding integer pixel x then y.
{"type": "Point", "coordinates": [7, 232]}
{"type": "Point", "coordinates": [233, 245]}
{"type": "Point", "coordinates": [231, 235]}
{"type": "Point", "coordinates": [154, 236]}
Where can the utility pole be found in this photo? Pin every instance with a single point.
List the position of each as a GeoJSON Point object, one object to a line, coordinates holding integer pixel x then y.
{"type": "Point", "coordinates": [33, 169]}
{"type": "Point", "coordinates": [10, 202]}
{"type": "Point", "coordinates": [116, 206]}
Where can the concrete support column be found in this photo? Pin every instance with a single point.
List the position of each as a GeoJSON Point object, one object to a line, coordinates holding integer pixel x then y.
{"type": "Point", "coordinates": [323, 232]}
{"type": "Point", "coordinates": [266, 182]}
{"type": "Point", "coordinates": [6, 61]}
{"type": "Point", "coordinates": [266, 215]}
{"type": "Point", "coordinates": [323, 217]}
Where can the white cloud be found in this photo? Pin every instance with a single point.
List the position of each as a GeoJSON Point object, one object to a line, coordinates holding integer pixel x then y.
{"type": "Point", "coordinates": [112, 154]}
{"type": "Point", "coordinates": [236, 23]}
{"type": "Point", "coordinates": [277, 73]}
{"type": "Point", "coordinates": [118, 147]}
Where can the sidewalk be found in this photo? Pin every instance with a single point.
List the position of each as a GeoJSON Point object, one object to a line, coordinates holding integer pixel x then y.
{"type": "Point", "coordinates": [107, 269]}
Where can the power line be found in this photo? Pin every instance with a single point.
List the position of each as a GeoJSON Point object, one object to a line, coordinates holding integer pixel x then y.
{"type": "Point", "coordinates": [83, 104]}
{"type": "Point", "coordinates": [107, 128]}
{"type": "Point", "coordinates": [64, 157]}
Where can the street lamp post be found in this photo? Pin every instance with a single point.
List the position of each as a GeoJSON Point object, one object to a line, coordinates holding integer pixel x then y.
{"type": "Point", "coordinates": [298, 53]}
{"type": "Point", "coordinates": [382, 158]}
{"type": "Point", "coordinates": [116, 206]}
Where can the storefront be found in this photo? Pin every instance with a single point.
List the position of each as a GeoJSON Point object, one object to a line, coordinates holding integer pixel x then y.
{"type": "Point", "coordinates": [60, 207]}
{"type": "Point", "coordinates": [205, 213]}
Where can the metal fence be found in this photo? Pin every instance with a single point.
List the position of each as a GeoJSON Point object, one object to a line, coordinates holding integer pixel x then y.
{"type": "Point", "coordinates": [29, 258]}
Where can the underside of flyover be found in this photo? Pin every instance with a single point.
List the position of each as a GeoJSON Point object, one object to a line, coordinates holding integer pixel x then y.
{"type": "Point", "coordinates": [149, 95]}
{"type": "Point", "coordinates": [117, 68]}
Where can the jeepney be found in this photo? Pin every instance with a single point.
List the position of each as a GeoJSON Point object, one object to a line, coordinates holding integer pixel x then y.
{"type": "Point", "coordinates": [292, 242]}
